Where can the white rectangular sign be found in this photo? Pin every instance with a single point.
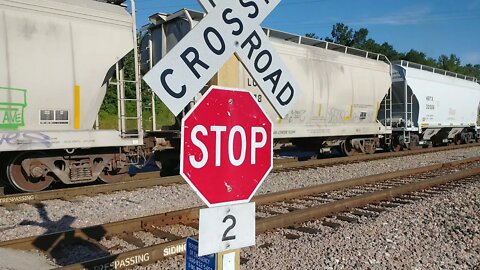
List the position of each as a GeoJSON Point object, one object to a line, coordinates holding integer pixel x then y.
{"type": "Point", "coordinates": [226, 228]}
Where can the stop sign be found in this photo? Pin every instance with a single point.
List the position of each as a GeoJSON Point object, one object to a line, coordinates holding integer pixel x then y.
{"type": "Point", "coordinates": [226, 148]}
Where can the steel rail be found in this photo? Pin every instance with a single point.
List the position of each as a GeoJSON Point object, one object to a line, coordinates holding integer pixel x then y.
{"type": "Point", "coordinates": [139, 181]}
{"type": "Point", "coordinates": [157, 252]}
{"type": "Point", "coordinates": [303, 215]}
{"type": "Point", "coordinates": [190, 216]}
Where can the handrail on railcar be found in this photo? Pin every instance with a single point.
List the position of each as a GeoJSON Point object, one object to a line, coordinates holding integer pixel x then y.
{"type": "Point", "coordinates": [439, 71]}
{"type": "Point", "coordinates": [325, 45]}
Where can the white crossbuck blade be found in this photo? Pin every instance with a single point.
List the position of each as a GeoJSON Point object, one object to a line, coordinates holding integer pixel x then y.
{"type": "Point", "coordinates": [230, 27]}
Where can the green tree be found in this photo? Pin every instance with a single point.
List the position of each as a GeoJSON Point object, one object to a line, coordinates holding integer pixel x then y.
{"type": "Point", "coordinates": [312, 35]}
{"type": "Point", "coordinates": [360, 37]}
{"type": "Point", "coordinates": [385, 49]}
{"type": "Point", "coordinates": [108, 115]}
{"type": "Point", "coordinates": [416, 57]}
{"type": "Point", "coordinates": [341, 34]}
{"type": "Point", "coordinates": [450, 63]}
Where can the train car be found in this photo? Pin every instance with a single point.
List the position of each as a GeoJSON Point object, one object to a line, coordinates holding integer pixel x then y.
{"type": "Point", "coordinates": [431, 106]}
{"type": "Point", "coordinates": [56, 58]}
{"type": "Point", "coordinates": [341, 87]}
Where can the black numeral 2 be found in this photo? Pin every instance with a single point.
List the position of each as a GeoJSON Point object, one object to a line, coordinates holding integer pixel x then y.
{"type": "Point", "coordinates": [234, 222]}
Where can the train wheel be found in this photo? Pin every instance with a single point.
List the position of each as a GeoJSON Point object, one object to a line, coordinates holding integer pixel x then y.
{"type": "Point", "coordinates": [21, 180]}
{"type": "Point", "coordinates": [457, 139]}
{"type": "Point", "coordinates": [371, 149]}
{"type": "Point", "coordinates": [113, 176]}
{"type": "Point", "coordinates": [396, 146]}
{"type": "Point", "coordinates": [347, 148]}
{"type": "Point", "coordinates": [466, 138]}
{"type": "Point", "coordinates": [414, 142]}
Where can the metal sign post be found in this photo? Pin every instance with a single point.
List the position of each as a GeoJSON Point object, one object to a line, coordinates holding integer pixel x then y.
{"type": "Point", "coordinates": [227, 140]}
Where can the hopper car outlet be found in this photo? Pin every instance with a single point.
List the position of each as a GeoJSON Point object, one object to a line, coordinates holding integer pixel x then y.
{"type": "Point", "coordinates": [330, 96]}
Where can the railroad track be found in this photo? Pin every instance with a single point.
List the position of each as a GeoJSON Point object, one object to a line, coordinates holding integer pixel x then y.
{"type": "Point", "coordinates": [151, 179]}
{"type": "Point", "coordinates": [333, 203]}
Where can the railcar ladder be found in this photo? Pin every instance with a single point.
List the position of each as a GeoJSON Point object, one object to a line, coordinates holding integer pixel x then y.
{"type": "Point", "coordinates": [409, 118]}
{"type": "Point", "coordinates": [125, 105]}
{"type": "Point", "coordinates": [124, 119]}
{"type": "Point", "coordinates": [149, 61]}
{"type": "Point", "coordinates": [387, 110]}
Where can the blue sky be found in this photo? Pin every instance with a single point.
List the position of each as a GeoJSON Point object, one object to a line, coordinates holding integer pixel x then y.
{"type": "Point", "coordinates": [432, 26]}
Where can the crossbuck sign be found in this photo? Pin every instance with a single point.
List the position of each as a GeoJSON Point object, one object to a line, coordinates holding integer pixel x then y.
{"type": "Point", "coordinates": [231, 26]}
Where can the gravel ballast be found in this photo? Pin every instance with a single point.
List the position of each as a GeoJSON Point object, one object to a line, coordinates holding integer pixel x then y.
{"type": "Point", "coordinates": [438, 233]}
{"type": "Point", "coordinates": [442, 232]}
{"type": "Point", "coordinates": [26, 220]}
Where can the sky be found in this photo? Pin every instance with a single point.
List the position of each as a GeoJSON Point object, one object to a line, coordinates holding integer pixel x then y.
{"type": "Point", "coordinates": [434, 27]}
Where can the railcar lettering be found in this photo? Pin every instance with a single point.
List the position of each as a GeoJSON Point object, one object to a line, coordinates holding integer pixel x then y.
{"type": "Point", "coordinates": [251, 82]}
{"type": "Point", "coordinates": [258, 97]}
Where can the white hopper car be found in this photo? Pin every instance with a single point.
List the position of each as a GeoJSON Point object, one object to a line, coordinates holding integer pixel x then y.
{"type": "Point", "coordinates": [341, 88]}
{"type": "Point", "coordinates": [431, 106]}
{"type": "Point", "coordinates": [56, 58]}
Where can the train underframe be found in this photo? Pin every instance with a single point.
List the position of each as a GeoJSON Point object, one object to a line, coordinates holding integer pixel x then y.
{"type": "Point", "coordinates": [32, 171]}
{"type": "Point", "coordinates": [411, 140]}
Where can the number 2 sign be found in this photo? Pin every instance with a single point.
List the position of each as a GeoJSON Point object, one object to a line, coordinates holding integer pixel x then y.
{"type": "Point", "coordinates": [226, 228]}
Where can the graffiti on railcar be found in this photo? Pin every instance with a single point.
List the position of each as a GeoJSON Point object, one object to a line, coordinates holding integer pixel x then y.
{"type": "Point", "coordinates": [25, 140]}
{"type": "Point", "coordinates": [297, 116]}
{"type": "Point", "coordinates": [12, 107]}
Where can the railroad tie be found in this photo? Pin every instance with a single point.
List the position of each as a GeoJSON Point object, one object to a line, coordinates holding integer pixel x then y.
{"type": "Point", "coordinates": [164, 235]}
{"type": "Point", "coordinates": [307, 230]}
{"type": "Point", "coordinates": [331, 224]}
{"type": "Point", "coordinates": [363, 213]}
{"type": "Point", "coordinates": [374, 209]}
{"type": "Point", "coordinates": [347, 219]}
{"type": "Point", "coordinates": [291, 236]}
{"type": "Point", "coordinates": [132, 239]}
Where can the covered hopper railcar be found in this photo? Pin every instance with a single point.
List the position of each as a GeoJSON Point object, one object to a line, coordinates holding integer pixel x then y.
{"type": "Point", "coordinates": [341, 88]}
{"type": "Point", "coordinates": [431, 106]}
{"type": "Point", "coordinates": [56, 58]}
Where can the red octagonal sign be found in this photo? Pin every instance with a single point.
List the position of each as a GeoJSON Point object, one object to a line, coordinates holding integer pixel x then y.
{"type": "Point", "coordinates": [226, 148]}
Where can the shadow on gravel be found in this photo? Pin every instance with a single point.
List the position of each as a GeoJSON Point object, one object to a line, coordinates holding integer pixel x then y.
{"type": "Point", "coordinates": [67, 247]}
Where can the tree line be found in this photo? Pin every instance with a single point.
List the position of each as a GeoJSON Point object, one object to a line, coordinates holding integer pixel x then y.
{"type": "Point", "coordinates": [344, 35]}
